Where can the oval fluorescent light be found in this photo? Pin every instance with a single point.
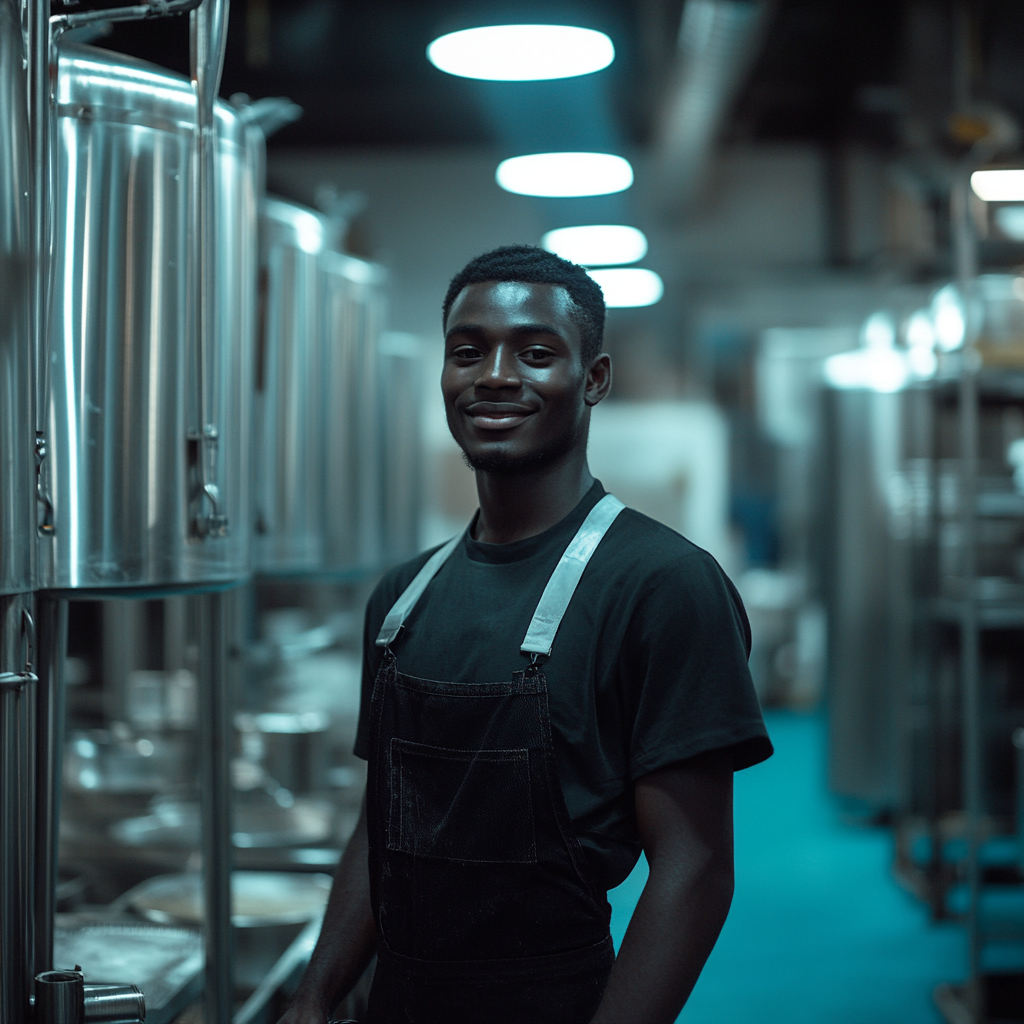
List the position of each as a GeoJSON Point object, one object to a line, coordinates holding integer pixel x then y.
{"type": "Point", "coordinates": [1004, 185]}
{"type": "Point", "coordinates": [597, 245]}
{"type": "Point", "coordinates": [565, 174]}
{"type": "Point", "coordinates": [629, 286]}
{"type": "Point", "coordinates": [521, 53]}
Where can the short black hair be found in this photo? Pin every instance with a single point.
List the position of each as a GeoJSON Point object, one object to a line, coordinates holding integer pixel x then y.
{"type": "Point", "coordinates": [533, 265]}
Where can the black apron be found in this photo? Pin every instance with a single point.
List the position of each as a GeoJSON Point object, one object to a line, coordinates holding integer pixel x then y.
{"type": "Point", "coordinates": [486, 909]}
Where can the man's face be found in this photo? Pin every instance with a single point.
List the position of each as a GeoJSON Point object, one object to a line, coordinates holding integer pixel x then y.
{"type": "Point", "coordinates": [515, 389]}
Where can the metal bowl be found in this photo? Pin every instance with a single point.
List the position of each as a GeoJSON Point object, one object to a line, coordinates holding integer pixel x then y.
{"type": "Point", "coordinates": [259, 899]}
{"type": "Point", "coordinates": [175, 824]}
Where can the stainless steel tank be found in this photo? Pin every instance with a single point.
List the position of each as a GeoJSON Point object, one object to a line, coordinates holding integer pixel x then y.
{"type": "Point", "coordinates": [125, 439]}
{"type": "Point", "coordinates": [17, 431]}
{"type": "Point", "coordinates": [289, 428]}
{"type": "Point", "coordinates": [873, 518]}
{"type": "Point", "coordinates": [401, 386]}
{"type": "Point", "coordinates": [353, 305]}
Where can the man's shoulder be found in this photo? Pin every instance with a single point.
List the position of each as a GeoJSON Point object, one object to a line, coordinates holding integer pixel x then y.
{"type": "Point", "coordinates": [642, 546]}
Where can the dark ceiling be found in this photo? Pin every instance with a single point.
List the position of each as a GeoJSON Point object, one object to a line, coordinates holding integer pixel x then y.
{"type": "Point", "coordinates": [825, 70]}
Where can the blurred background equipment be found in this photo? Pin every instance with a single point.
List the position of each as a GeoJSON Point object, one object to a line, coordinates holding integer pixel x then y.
{"type": "Point", "coordinates": [220, 424]}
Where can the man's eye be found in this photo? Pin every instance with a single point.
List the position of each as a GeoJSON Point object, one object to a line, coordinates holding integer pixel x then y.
{"type": "Point", "coordinates": [536, 355]}
{"type": "Point", "coordinates": [466, 352]}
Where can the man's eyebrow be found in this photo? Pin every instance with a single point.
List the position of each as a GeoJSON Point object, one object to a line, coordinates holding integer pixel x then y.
{"type": "Point", "coordinates": [537, 328]}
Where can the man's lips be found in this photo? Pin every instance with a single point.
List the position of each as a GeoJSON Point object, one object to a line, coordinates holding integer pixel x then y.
{"type": "Point", "coordinates": [497, 416]}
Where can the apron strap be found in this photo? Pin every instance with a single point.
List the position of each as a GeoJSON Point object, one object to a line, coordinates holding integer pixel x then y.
{"type": "Point", "coordinates": [562, 585]}
{"type": "Point", "coordinates": [553, 602]}
{"type": "Point", "coordinates": [405, 604]}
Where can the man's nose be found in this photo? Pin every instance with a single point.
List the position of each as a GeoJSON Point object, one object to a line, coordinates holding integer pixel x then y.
{"type": "Point", "coordinates": [500, 369]}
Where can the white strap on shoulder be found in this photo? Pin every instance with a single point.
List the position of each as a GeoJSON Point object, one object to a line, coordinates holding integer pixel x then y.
{"type": "Point", "coordinates": [400, 610]}
{"type": "Point", "coordinates": [563, 582]}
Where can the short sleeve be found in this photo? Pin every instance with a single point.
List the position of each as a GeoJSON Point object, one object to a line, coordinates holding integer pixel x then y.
{"type": "Point", "coordinates": [685, 662]}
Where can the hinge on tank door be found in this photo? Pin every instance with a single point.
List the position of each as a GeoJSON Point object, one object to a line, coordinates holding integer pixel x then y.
{"type": "Point", "coordinates": [45, 524]}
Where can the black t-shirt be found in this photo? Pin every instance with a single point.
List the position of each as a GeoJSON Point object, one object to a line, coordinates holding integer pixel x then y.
{"type": "Point", "coordinates": [649, 665]}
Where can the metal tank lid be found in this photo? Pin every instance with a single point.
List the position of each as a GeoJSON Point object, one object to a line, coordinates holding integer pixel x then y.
{"type": "Point", "coordinates": [296, 225]}
{"type": "Point", "coordinates": [105, 86]}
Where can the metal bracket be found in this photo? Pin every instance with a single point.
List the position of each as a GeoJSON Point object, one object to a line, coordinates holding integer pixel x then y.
{"type": "Point", "coordinates": [17, 680]}
{"type": "Point", "coordinates": [45, 527]}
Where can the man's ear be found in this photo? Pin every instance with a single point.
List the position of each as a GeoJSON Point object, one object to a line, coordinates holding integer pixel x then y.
{"type": "Point", "coordinates": [599, 379]}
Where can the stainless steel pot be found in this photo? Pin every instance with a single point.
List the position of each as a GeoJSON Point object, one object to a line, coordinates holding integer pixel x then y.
{"type": "Point", "coordinates": [125, 404]}
{"type": "Point", "coordinates": [17, 461]}
{"type": "Point", "coordinates": [289, 402]}
{"type": "Point", "coordinates": [353, 304]}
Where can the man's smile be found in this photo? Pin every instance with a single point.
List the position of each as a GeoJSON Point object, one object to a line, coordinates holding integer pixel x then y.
{"type": "Point", "coordinates": [497, 415]}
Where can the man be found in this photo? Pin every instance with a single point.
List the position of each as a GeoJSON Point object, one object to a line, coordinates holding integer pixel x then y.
{"type": "Point", "coordinates": [557, 689]}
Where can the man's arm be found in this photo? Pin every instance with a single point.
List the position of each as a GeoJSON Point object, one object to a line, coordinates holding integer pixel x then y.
{"type": "Point", "coordinates": [684, 814]}
{"type": "Point", "coordinates": [347, 939]}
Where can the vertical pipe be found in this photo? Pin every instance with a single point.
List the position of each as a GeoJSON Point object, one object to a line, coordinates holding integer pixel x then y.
{"type": "Point", "coordinates": [965, 266]}
{"type": "Point", "coordinates": [49, 750]}
{"type": "Point", "coordinates": [215, 736]}
{"type": "Point", "coordinates": [15, 677]}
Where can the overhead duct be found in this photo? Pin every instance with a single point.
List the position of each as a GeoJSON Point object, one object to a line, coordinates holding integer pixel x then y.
{"type": "Point", "coordinates": [717, 42]}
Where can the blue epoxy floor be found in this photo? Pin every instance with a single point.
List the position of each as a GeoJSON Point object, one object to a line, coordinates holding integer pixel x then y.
{"type": "Point", "coordinates": [819, 932]}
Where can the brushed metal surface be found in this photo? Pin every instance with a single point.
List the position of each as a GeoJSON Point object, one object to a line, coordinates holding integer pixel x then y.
{"type": "Point", "coordinates": [17, 431]}
{"type": "Point", "coordinates": [353, 304]}
{"type": "Point", "coordinates": [124, 409]}
{"type": "Point", "coordinates": [289, 400]}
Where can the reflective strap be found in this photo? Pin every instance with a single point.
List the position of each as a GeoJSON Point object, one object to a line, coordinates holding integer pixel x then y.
{"type": "Point", "coordinates": [412, 593]}
{"type": "Point", "coordinates": [558, 593]}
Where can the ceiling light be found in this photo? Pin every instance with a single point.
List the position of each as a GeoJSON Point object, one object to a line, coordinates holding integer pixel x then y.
{"type": "Point", "coordinates": [597, 245]}
{"type": "Point", "coordinates": [521, 53]}
{"type": "Point", "coordinates": [565, 174]}
{"type": "Point", "coordinates": [999, 186]}
{"type": "Point", "coordinates": [629, 286]}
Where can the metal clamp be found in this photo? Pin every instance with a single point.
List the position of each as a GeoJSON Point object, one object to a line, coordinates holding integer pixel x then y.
{"type": "Point", "coordinates": [16, 680]}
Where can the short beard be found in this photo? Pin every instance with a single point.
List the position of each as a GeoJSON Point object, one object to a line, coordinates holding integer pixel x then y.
{"type": "Point", "coordinates": [505, 465]}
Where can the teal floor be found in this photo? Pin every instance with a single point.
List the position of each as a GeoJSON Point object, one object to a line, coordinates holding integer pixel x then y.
{"type": "Point", "coordinates": [819, 932]}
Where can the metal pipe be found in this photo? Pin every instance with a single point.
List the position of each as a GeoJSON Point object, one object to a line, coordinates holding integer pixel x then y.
{"type": "Point", "coordinates": [207, 43]}
{"type": "Point", "coordinates": [216, 736]}
{"type": "Point", "coordinates": [49, 749]}
{"type": "Point", "coordinates": [16, 664]}
{"type": "Point", "coordinates": [153, 9]}
{"type": "Point", "coordinates": [965, 267]}
{"type": "Point", "coordinates": [40, 53]}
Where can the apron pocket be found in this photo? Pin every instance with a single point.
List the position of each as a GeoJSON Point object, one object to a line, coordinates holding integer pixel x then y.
{"type": "Point", "coordinates": [465, 805]}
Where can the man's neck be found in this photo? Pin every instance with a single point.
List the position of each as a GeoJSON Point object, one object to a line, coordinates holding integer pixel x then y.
{"type": "Point", "coordinates": [516, 506]}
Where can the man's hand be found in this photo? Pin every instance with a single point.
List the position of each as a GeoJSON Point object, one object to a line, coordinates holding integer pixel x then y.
{"type": "Point", "coordinates": [347, 939]}
{"type": "Point", "coordinates": [684, 814]}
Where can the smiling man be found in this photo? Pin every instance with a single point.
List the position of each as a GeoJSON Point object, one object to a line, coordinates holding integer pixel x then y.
{"type": "Point", "coordinates": [557, 689]}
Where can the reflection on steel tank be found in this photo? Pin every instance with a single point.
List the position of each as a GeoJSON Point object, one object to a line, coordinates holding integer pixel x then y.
{"type": "Point", "coordinates": [128, 454]}
{"type": "Point", "coordinates": [17, 467]}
